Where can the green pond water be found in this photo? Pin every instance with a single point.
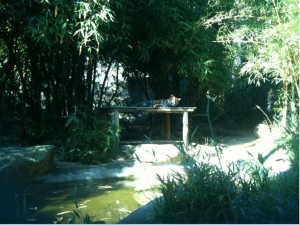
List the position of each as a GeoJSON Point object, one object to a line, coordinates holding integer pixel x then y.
{"type": "Point", "coordinates": [102, 200]}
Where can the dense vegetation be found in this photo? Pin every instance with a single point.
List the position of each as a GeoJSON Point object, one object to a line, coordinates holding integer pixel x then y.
{"type": "Point", "coordinates": [57, 57]}
{"type": "Point", "coordinates": [244, 193]}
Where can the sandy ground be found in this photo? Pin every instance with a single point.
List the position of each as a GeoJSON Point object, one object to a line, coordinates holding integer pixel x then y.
{"type": "Point", "coordinates": [241, 146]}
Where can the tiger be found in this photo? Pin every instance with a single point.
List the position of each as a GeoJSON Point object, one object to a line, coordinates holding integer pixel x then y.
{"type": "Point", "coordinates": [170, 102]}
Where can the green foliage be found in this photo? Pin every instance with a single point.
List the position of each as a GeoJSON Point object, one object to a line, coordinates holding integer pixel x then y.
{"type": "Point", "coordinates": [89, 140]}
{"type": "Point", "coordinates": [203, 196]}
{"type": "Point", "coordinates": [24, 130]}
{"type": "Point", "coordinates": [43, 73]}
{"type": "Point", "coordinates": [290, 141]}
{"type": "Point", "coordinates": [246, 193]}
{"type": "Point", "coordinates": [92, 15]}
{"type": "Point", "coordinates": [208, 195]}
{"type": "Point", "coordinates": [261, 38]}
{"type": "Point", "coordinates": [272, 199]}
{"type": "Point", "coordinates": [165, 39]}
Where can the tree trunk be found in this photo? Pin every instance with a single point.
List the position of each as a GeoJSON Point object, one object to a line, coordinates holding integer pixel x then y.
{"type": "Point", "coordinates": [117, 87]}
{"type": "Point", "coordinates": [103, 84]}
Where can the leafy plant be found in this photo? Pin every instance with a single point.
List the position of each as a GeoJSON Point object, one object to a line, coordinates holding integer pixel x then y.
{"type": "Point", "coordinates": [290, 140]}
{"type": "Point", "coordinates": [261, 42]}
{"type": "Point", "coordinates": [89, 140]}
{"type": "Point", "coordinates": [246, 193]}
{"type": "Point", "coordinates": [24, 130]}
{"type": "Point", "coordinates": [203, 196]}
{"type": "Point", "coordinates": [82, 219]}
{"type": "Point", "coordinates": [92, 15]}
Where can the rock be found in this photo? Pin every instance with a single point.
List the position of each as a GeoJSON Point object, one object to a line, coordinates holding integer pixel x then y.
{"type": "Point", "coordinates": [262, 130]}
{"type": "Point", "coordinates": [144, 197]}
{"type": "Point", "coordinates": [143, 215]}
{"type": "Point", "coordinates": [18, 163]}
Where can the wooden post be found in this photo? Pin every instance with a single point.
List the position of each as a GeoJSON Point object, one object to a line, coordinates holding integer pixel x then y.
{"type": "Point", "coordinates": [185, 129]}
{"type": "Point", "coordinates": [116, 118]}
{"type": "Point", "coordinates": [167, 125]}
{"type": "Point", "coordinates": [115, 122]}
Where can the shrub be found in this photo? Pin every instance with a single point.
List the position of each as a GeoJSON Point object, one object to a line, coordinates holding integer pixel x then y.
{"type": "Point", "coordinates": [202, 196]}
{"type": "Point", "coordinates": [290, 140]}
{"type": "Point", "coordinates": [208, 195]}
{"type": "Point", "coordinates": [89, 139]}
{"type": "Point", "coordinates": [244, 194]}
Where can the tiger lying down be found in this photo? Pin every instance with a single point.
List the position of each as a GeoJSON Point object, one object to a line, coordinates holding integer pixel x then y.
{"type": "Point", "coordinates": [170, 102]}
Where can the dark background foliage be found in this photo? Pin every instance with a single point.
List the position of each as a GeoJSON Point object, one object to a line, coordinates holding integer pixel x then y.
{"type": "Point", "coordinates": [58, 58]}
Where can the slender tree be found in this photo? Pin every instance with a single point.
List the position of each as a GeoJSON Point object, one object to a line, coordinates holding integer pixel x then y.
{"type": "Point", "coordinates": [262, 41]}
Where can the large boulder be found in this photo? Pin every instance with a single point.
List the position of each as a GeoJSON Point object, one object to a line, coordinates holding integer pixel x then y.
{"type": "Point", "coordinates": [18, 163]}
{"type": "Point", "coordinates": [262, 131]}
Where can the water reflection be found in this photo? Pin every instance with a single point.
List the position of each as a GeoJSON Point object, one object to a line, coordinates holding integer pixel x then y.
{"type": "Point", "coordinates": [101, 200]}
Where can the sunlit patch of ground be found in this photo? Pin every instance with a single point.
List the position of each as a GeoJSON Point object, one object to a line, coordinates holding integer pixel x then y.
{"type": "Point", "coordinates": [240, 148]}
{"type": "Point", "coordinates": [244, 148]}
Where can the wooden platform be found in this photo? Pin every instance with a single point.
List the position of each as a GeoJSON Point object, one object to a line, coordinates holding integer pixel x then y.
{"type": "Point", "coordinates": [116, 110]}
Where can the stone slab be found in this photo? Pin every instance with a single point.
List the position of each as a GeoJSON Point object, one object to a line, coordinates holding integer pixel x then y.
{"type": "Point", "coordinates": [17, 163]}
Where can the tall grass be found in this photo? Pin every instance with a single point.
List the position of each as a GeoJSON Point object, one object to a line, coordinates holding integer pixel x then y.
{"type": "Point", "coordinates": [202, 196]}
{"type": "Point", "coordinates": [243, 194]}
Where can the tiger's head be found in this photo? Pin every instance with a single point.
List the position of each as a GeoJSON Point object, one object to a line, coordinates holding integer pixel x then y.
{"type": "Point", "coordinates": [174, 101]}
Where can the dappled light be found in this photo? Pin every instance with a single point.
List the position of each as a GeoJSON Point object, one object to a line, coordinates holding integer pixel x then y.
{"type": "Point", "coordinates": [149, 111]}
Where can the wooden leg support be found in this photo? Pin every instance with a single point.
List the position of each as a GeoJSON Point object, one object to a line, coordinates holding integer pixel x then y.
{"type": "Point", "coordinates": [185, 129]}
{"type": "Point", "coordinates": [116, 128]}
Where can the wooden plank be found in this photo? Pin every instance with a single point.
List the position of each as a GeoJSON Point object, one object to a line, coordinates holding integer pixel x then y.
{"type": "Point", "coordinates": [126, 109]}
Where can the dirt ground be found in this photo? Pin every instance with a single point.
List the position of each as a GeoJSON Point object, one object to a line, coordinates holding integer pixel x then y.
{"type": "Point", "coordinates": [243, 145]}
{"type": "Point", "coordinates": [230, 137]}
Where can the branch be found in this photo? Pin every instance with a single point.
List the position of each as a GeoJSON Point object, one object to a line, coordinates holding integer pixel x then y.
{"type": "Point", "coordinates": [241, 41]}
{"type": "Point", "coordinates": [220, 18]}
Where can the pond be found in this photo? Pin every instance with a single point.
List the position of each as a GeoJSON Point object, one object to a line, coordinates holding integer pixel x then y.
{"type": "Point", "coordinates": [107, 192]}
{"type": "Point", "coordinates": [106, 201]}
